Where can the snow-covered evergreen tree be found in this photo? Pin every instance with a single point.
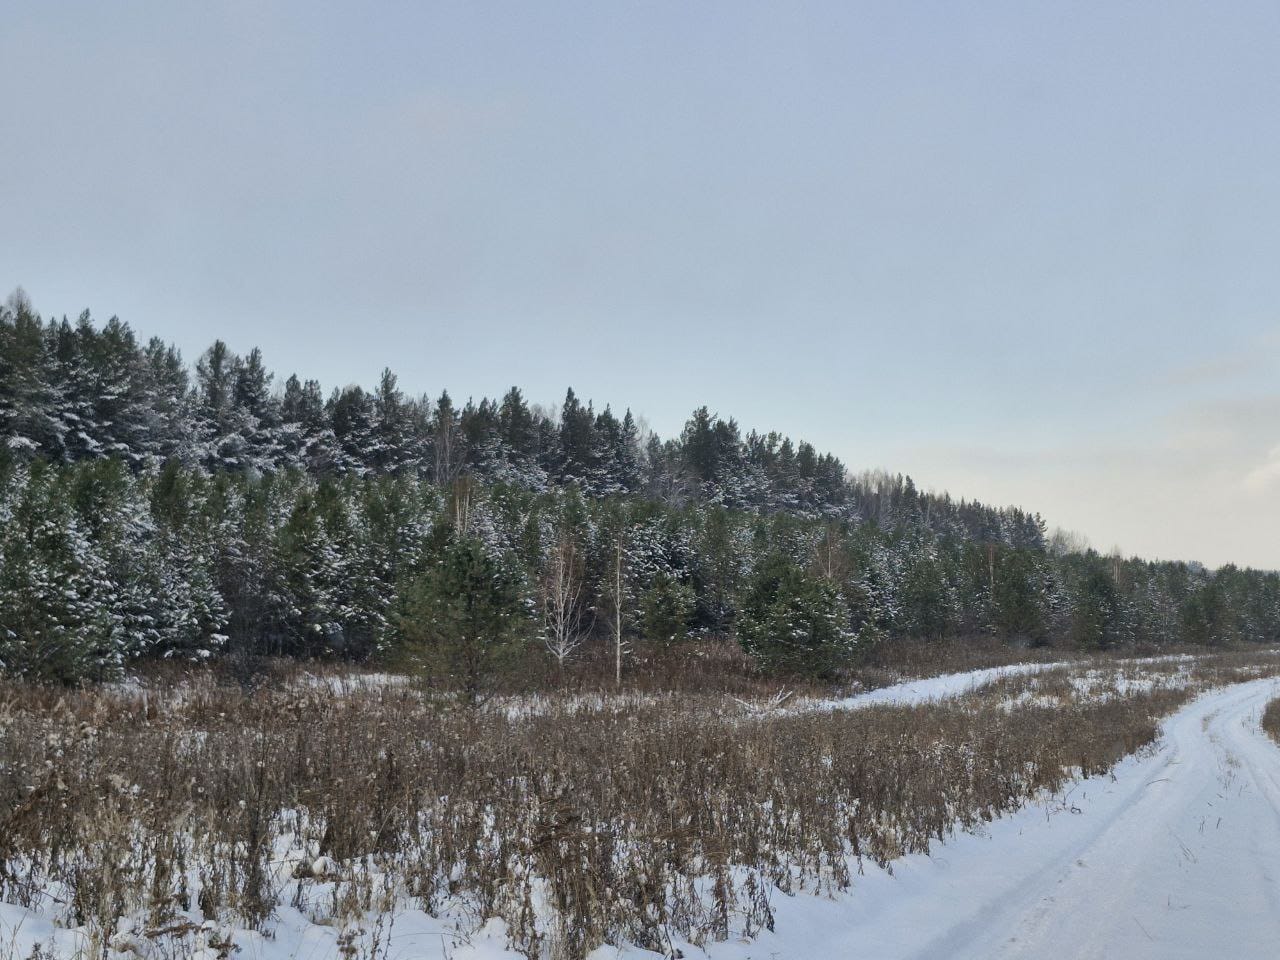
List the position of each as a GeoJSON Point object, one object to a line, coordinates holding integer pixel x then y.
{"type": "Point", "coordinates": [58, 607]}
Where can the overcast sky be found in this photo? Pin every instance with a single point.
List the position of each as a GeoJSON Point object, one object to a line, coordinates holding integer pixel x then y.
{"type": "Point", "coordinates": [1025, 252]}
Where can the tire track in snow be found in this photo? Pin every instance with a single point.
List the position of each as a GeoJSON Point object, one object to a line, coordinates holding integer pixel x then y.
{"type": "Point", "coordinates": [1183, 863]}
{"type": "Point", "coordinates": [1175, 854]}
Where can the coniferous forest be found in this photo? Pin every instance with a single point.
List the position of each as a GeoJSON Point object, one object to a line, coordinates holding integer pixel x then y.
{"type": "Point", "coordinates": [152, 510]}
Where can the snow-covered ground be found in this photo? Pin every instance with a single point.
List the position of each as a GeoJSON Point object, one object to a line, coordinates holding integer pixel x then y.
{"type": "Point", "coordinates": [946, 687]}
{"type": "Point", "coordinates": [1175, 854]}
{"type": "Point", "coordinates": [952, 685]}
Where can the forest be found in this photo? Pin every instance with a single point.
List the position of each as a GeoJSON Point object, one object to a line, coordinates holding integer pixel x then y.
{"type": "Point", "coordinates": [154, 511]}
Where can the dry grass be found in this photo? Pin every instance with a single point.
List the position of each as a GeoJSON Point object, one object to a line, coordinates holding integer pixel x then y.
{"type": "Point", "coordinates": [1271, 719]}
{"type": "Point", "coordinates": [585, 821]}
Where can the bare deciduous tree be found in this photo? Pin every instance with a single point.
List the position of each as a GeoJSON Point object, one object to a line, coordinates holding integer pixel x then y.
{"type": "Point", "coordinates": [562, 608]}
{"type": "Point", "coordinates": [461, 497]}
{"type": "Point", "coordinates": [450, 455]}
{"type": "Point", "coordinates": [618, 597]}
{"type": "Point", "coordinates": [829, 559]}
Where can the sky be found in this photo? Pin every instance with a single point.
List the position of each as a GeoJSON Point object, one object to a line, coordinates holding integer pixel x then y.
{"type": "Point", "coordinates": [1023, 252]}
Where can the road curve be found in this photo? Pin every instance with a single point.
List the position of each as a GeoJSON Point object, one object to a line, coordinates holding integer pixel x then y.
{"type": "Point", "coordinates": [1174, 855]}
{"type": "Point", "coordinates": [1184, 862]}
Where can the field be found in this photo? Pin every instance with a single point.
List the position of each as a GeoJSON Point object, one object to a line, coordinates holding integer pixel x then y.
{"type": "Point", "coordinates": [327, 815]}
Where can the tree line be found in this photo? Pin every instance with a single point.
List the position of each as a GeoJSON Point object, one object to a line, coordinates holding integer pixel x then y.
{"type": "Point", "coordinates": [151, 510]}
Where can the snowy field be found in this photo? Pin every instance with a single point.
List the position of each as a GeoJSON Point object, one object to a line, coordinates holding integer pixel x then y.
{"type": "Point", "coordinates": [1172, 854]}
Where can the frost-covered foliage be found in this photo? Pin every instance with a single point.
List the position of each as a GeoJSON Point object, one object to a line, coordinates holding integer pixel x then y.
{"type": "Point", "coordinates": [75, 391]}
{"type": "Point", "coordinates": [148, 510]}
{"type": "Point", "coordinates": [62, 614]}
{"type": "Point", "coordinates": [794, 620]}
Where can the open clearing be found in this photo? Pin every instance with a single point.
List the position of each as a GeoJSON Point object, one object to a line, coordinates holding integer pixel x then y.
{"type": "Point", "coordinates": [1173, 853]}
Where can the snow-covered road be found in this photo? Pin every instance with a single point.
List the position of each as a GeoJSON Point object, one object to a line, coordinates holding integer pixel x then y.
{"type": "Point", "coordinates": [950, 685]}
{"type": "Point", "coordinates": [1176, 856]}
{"type": "Point", "coordinates": [911, 693]}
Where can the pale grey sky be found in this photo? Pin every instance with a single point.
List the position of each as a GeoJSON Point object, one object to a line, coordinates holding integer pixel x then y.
{"type": "Point", "coordinates": [1024, 252]}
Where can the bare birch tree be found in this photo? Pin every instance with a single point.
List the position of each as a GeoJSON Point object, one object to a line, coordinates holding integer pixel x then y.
{"type": "Point", "coordinates": [829, 558]}
{"type": "Point", "coordinates": [450, 456]}
{"type": "Point", "coordinates": [461, 496]}
{"type": "Point", "coordinates": [618, 596]}
{"type": "Point", "coordinates": [562, 608]}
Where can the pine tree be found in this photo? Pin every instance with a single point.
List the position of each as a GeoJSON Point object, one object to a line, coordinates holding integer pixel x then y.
{"type": "Point", "coordinates": [627, 455]}
{"type": "Point", "coordinates": [392, 449]}
{"type": "Point", "coordinates": [481, 439]}
{"type": "Point", "coordinates": [1096, 622]}
{"type": "Point", "coordinates": [350, 411]}
{"type": "Point", "coordinates": [577, 442]}
{"type": "Point", "coordinates": [191, 616]}
{"type": "Point", "coordinates": [1205, 618]}
{"type": "Point", "coordinates": [1019, 601]}
{"type": "Point", "coordinates": [306, 433]}
{"type": "Point", "coordinates": [463, 614]}
{"type": "Point", "coordinates": [517, 427]}
{"type": "Point", "coordinates": [308, 575]}
{"type": "Point", "coordinates": [720, 551]}
{"type": "Point", "coordinates": [215, 388]}
{"type": "Point", "coordinates": [365, 579]}
{"type": "Point", "coordinates": [29, 403]}
{"type": "Point", "coordinates": [167, 409]}
{"type": "Point", "coordinates": [667, 607]}
{"type": "Point", "coordinates": [255, 416]}
{"type": "Point", "coordinates": [240, 517]}
{"type": "Point", "coordinates": [792, 622]}
{"type": "Point", "coordinates": [924, 600]}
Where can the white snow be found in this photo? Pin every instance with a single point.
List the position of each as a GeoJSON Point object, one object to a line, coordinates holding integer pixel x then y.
{"type": "Point", "coordinates": [946, 687]}
{"type": "Point", "coordinates": [1176, 855]}
{"type": "Point", "coordinates": [949, 686]}
{"type": "Point", "coordinates": [341, 683]}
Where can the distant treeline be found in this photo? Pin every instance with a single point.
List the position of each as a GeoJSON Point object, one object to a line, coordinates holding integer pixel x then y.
{"type": "Point", "coordinates": [151, 510]}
